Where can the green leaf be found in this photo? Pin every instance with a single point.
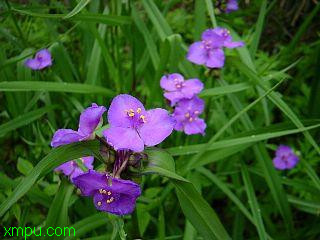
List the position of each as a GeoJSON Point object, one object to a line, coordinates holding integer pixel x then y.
{"type": "Point", "coordinates": [58, 211]}
{"type": "Point", "coordinates": [162, 163]}
{"type": "Point", "coordinates": [255, 209]}
{"type": "Point", "coordinates": [86, 17]}
{"type": "Point", "coordinates": [56, 157]}
{"type": "Point", "coordinates": [161, 25]}
{"type": "Point", "coordinates": [24, 166]}
{"type": "Point", "coordinates": [211, 13]}
{"type": "Point", "coordinates": [77, 8]}
{"type": "Point", "coordinates": [199, 212]}
{"type": "Point", "coordinates": [25, 86]}
{"type": "Point", "coordinates": [24, 119]}
{"type": "Point", "coordinates": [259, 28]}
{"type": "Point", "coordinates": [88, 224]}
{"type": "Point", "coordinates": [251, 138]}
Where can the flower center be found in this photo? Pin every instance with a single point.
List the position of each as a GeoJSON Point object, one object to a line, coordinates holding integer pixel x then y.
{"type": "Point", "coordinates": [191, 116]}
{"type": "Point", "coordinates": [110, 198]}
{"type": "Point", "coordinates": [136, 115]}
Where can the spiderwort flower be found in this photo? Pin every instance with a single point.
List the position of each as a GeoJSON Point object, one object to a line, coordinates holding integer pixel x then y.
{"type": "Point", "coordinates": [72, 169]}
{"type": "Point", "coordinates": [232, 5]}
{"type": "Point", "coordinates": [177, 88]}
{"type": "Point", "coordinates": [209, 51]}
{"type": "Point", "coordinates": [285, 158]}
{"type": "Point", "coordinates": [90, 118]}
{"type": "Point", "coordinates": [113, 195]}
{"type": "Point", "coordinates": [187, 114]}
{"type": "Point", "coordinates": [132, 127]}
{"type": "Point", "coordinates": [41, 60]}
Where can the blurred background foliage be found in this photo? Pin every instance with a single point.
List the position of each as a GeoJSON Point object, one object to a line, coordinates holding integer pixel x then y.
{"type": "Point", "coordinates": [115, 46]}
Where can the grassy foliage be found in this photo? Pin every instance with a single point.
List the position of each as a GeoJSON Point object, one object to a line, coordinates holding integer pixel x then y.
{"type": "Point", "coordinates": [218, 186]}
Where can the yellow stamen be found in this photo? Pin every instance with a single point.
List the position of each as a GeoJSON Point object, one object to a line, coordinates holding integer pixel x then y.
{"type": "Point", "coordinates": [99, 203]}
{"type": "Point", "coordinates": [190, 119]}
{"type": "Point", "coordinates": [139, 110]}
{"type": "Point", "coordinates": [109, 193]}
{"type": "Point", "coordinates": [143, 118]}
{"type": "Point", "coordinates": [187, 115]}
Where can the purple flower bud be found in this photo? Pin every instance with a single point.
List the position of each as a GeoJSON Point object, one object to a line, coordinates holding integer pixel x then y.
{"type": "Point", "coordinates": [113, 195]}
{"type": "Point", "coordinates": [132, 127]}
{"type": "Point", "coordinates": [187, 114]}
{"type": "Point", "coordinates": [209, 51]}
{"type": "Point", "coordinates": [177, 88]}
{"type": "Point", "coordinates": [285, 158]}
{"type": "Point", "coordinates": [41, 60]}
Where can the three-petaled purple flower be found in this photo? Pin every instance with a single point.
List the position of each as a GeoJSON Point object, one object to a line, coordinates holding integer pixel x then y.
{"type": "Point", "coordinates": [187, 114]}
{"type": "Point", "coordinates": [132, 127]}
{"type": "Point", "coordinates": [209, 51]}
{"type": "Point", "coordinates": [232, 5]}
{"type": "Point", "coordinates": [113, 195]}
{"type": "Point", "coordinates": [41, 60]}
{"type": "Point", "coordinates": [177, 88]}
{"type": "Point", "coordinates": [90, 118]}
{"type": "Point", "coordinates": [285, 158]}
{"type": "Point", "coordinates": [72, 168]}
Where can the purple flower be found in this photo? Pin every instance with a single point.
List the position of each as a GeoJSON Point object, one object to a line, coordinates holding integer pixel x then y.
{"type": "Point", "coordinates": [72, 169]}
{"type": "Point", "coordinates": [285, 158]}
{"type": "Point", "coordinates": [232, 5]}
{"type": "Point", "coordinates": [41, 60]}
{"type": "Point", "coordinates": [109, 194]}
{"type": "Point", "coordinates": [187, 118]}
{"type": "Point", "coordinates": [177, 88]}
{"type": "Point", "coordinates": [209, 51]}
{"type": "Point", "coordinates": [132, 127]}
{"type": "Point", "coordinates": [89, 121]}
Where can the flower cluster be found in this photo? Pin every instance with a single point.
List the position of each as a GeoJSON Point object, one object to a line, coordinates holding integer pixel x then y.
{"type": "Point", "coordinates": [131, 127]}
{"type": "Point", "coordinates": [209, 51]}
{"type": "Point", "coordinates": [182, 95]}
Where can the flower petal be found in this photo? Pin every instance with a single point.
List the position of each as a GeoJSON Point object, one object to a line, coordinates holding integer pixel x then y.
{"type": "Point", "coordinates": [212, 38]}
{"type": "Point", "coordinates": [216, 58]}
{"type": "Point", "coordinates": [192, 87]}
{"type": "Point", "coordinates": [197, 53]}
{"type": "Point", "coordinates": [278, 163]}
{"type": "Point", "coordinates": [189, 105]}
{"type": "Point", "coordinates": [230, 44]}
{"type": "Point", "coordinates": [44, 58]}
{"type": "Point", "coordinates": [126, 187]}
{"type": "Point", "coordinates": [65, 136]}
{"type": "Point", "coordinates": [292, 161]}
{"type": "Point", "coordinates": [90, 118]}
{"type": "Point", "coordinates": [197, 126]}
{"type": "Point", "coordinates": [117, 113]}
{"type": "Point", "coordinates": [168, 82]}
{"type": "Point", "coordinates": [67, 168]}
{"type": "Point", "coordinates": [122, 205]}
{"type": "Point", "coordinates": [90, 182]}
{"type": "Point", "coordinates": [76, 172]}
{"type": "Point", "coordinates": [159, 125]}
{"type": "Point", "coordinates": [88, 161]}
{"type": "Point", "coordinates": [34, 64]}
{"type": "Point", "coordinates": [173, 97]}
{"type": "Point", "coordinates": [124, 138]}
